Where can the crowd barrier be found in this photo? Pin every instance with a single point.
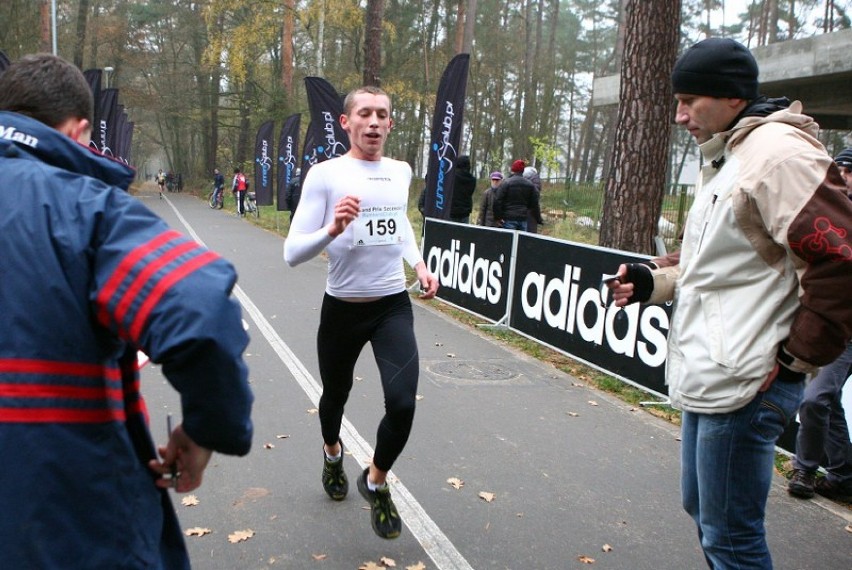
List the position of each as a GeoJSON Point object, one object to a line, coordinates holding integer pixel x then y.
{"type": "Point", "coordinates": [551, 291]}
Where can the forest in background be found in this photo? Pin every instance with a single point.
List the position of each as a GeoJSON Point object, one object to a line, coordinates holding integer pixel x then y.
{"type": "Point", "coordinates": [198, 77]}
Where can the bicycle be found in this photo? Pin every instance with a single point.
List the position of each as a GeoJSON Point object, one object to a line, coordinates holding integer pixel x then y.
{"type": "Point", "coordinates": [216, 202]}
{"type": "Point", "coordinates": [250, 204]}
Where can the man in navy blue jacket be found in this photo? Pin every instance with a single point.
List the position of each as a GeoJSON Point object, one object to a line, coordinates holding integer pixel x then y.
{"type": "Point", "coordinates": [89, 277]}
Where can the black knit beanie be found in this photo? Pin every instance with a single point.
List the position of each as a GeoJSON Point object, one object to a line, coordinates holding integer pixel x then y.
{"type": "Point", "coordinates": [716, 67]}
{"type": "Point", "coordinates": [844, 158]}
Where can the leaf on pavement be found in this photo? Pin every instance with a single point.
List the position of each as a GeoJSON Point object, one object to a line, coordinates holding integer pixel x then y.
{"type": "Point", "coordinates": [451, 355]}
{"type": "Point", "coordinates": [283, 436]}
{"type": "Point", "coordinates": [388, 562]}
{"type": "Point", "coordinates": [606, 548]}
{"type": "Point", "coordinates": [486, 496]}
{"type": "Point", "coordinates": [455, 482]}
{"type": "Point", "coordinates": [313, 411]}
{"type": "Point", "coordinates": [592, 403]}
{"type": "Point", "coordinates": [418, 397]}
{"type": "Point", "coordinates": [573, 414]}
{"type": "Point", "coordinates": [849, 528]}
{"type": "Point", "coordinates": [439, 344]}
{"type": "Point", "coordinates": [418, 566]}
{"type": "Point", "coordinates": [189, 501]}
{"type": "Point", "coordinates": [319, 557]}
{"type": "Point", "coordinates": [358, 378]}
{"type": "Point", "coordinates": [586, 559]}
{"type": "Point", "coordinates": [240, 536]}
{"type": "Point", "coordinates": [268, 446]}
{"type": "Point", "coordinates": [369, 566]}
{"type": "Point", "coordinates": [197, 531]}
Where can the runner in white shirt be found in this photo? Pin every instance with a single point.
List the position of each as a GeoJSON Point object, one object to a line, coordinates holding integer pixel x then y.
{"type": "Point", "coordinates": [354, 207]}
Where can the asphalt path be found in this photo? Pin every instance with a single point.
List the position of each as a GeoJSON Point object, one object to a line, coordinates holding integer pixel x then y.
{"type": "Point", "coordinates": [555, 473]}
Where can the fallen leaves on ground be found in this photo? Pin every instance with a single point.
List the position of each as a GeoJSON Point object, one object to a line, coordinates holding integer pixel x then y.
{"type": "Point", "coordinates": [418, 397]}
{"type": "Point", "coordinates": [418, 566]}
{"type": "Point", "coordinates": [197, 531]}
{"type": "Point", "coordinates": [268, 446]}
{"type": "Point", "coordinates": [486, 496]}
{"type": "Point", "coordinates": [319, 557]}
{"type": "Point", "coordinates": [593, 403]}
{"type": "Point", "coordinates": [451, 355]}
{"type": "Point", "coordinates": [313, 411]}
{"type": "Point", "coordinates": [388, 562]}
{"type": "Point", "coordinates": [586, 559]}
{"type": "Point", "coordinates": [455, 482]}
{"type": "Point", "coordinates": [283, 436]}
{"type": "Point", "coordinates": [369, 566]}
{"type": "Point", "coordinates": [849, 528]}
{"type": "Point", "coordinates": [606, 548]}
{"type": "Point", "coordinates": [240, 535]}
{"type": "Point", "coordinates": [189, 501]}
{"type": "Point", "coordinates": [573, 414]}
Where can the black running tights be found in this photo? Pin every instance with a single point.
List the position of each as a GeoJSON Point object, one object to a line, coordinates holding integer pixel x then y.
{"type": "Point", "coordinates": [388, 324]}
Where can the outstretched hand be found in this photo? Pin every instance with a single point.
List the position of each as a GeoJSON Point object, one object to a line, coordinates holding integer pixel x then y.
{"type": "Point", "coordinates": [183, 457]}
{"type": "Point", "coordinates": [621, 291]}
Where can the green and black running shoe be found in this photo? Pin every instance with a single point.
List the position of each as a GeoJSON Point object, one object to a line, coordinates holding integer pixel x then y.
{"type": "Point", "coordinates": [334, 479]}
{"type": "Point", "coordinates": [383, 515]}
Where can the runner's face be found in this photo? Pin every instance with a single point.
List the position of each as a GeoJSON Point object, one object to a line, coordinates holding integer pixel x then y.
{"type": "Point", "coordinates": [367, 124]}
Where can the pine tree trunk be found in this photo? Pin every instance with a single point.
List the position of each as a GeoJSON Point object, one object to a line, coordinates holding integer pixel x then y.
{"type": "Point", "coordinates": [634, 189]}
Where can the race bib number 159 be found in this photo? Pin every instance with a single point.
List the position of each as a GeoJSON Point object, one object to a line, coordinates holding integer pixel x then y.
{"type": "Point", "coordinates": [379, 225]}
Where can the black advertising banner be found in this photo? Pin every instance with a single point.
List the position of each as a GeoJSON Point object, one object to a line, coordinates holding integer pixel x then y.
{"type": "Point", "coordinates": [326, 136]}
{"type": "Point", "coordinates": [445, 137]}
{"type": "Point", "coordinates": [263, 162]}
{"type": "Point", "coordinates": [93, 78]}
{"type": "Point", "coordinates": [106, 120]}
{"type": "Point", "coordinates": [120, 132]}
{"type": "Point", "coordinates": [472, 264]}
{"type": "Point", "coordinates": [128, 151]}
{"type": "Point", "coordinates": [288, 153]}
{"type": "Point", "coordinates": [557, 299]}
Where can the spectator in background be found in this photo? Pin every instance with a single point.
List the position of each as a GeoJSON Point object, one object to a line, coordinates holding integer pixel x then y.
{"type": "Point", "coordinates": [218, 188]}
{"type": "Point", "coordinates": [486, 207]}
{"type": "Point", "coordinates": [531, 174]}
{"type": "Point", "coordinates": [823, 437]}
{"type": "Point", "coordinates": [516, 199]}
{"type": "Point", "coordinates": [463, 188]}
{"type": "Point", "coordinates": [294, 193]}
{"type": "Point", "coordinates": [844, 163]}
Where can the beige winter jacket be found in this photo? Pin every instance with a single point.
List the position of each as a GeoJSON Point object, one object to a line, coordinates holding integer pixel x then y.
{"type": "Point", "coordinates": [766, 261]}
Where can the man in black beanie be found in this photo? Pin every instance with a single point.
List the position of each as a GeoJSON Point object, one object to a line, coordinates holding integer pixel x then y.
{"type": "Point", "coordinates": [763, 291]}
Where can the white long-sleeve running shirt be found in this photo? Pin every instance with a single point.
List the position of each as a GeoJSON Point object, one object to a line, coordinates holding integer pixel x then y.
{"type": "Point", "coordinates": [366, 259]}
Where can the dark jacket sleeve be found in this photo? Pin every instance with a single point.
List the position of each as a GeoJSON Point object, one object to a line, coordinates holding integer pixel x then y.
{"type": "Point", "coordinates": [820, 237]}
{"type": "Point", "coordinates": [169, 296]}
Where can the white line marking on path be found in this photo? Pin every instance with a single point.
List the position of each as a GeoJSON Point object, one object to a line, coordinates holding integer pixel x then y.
{"type": "Point", "coordinates": [436, 544]}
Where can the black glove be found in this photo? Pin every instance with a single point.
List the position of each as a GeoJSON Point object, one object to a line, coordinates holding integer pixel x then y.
{"type": "Point", "coordinates": [643, 281]}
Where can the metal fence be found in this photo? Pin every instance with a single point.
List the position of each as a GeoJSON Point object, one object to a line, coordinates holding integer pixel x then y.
{"type": "Point", "coordinates": [581, 204]}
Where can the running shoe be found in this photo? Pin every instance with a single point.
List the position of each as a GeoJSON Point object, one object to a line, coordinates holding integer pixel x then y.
{"type": "Point", "coordinates": [334, 479]}
{"type": "Point", "coordinates": [383, 515]}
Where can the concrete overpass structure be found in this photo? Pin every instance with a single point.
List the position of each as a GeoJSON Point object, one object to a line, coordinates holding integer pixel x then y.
{"type": "Point", "coordinates": [815, 70]}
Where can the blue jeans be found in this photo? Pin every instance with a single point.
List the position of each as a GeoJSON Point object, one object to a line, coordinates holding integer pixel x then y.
{"type": "Point", "coordinates": [727, 463]}
{"type": "Point", "coordinates": [515, 225]}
